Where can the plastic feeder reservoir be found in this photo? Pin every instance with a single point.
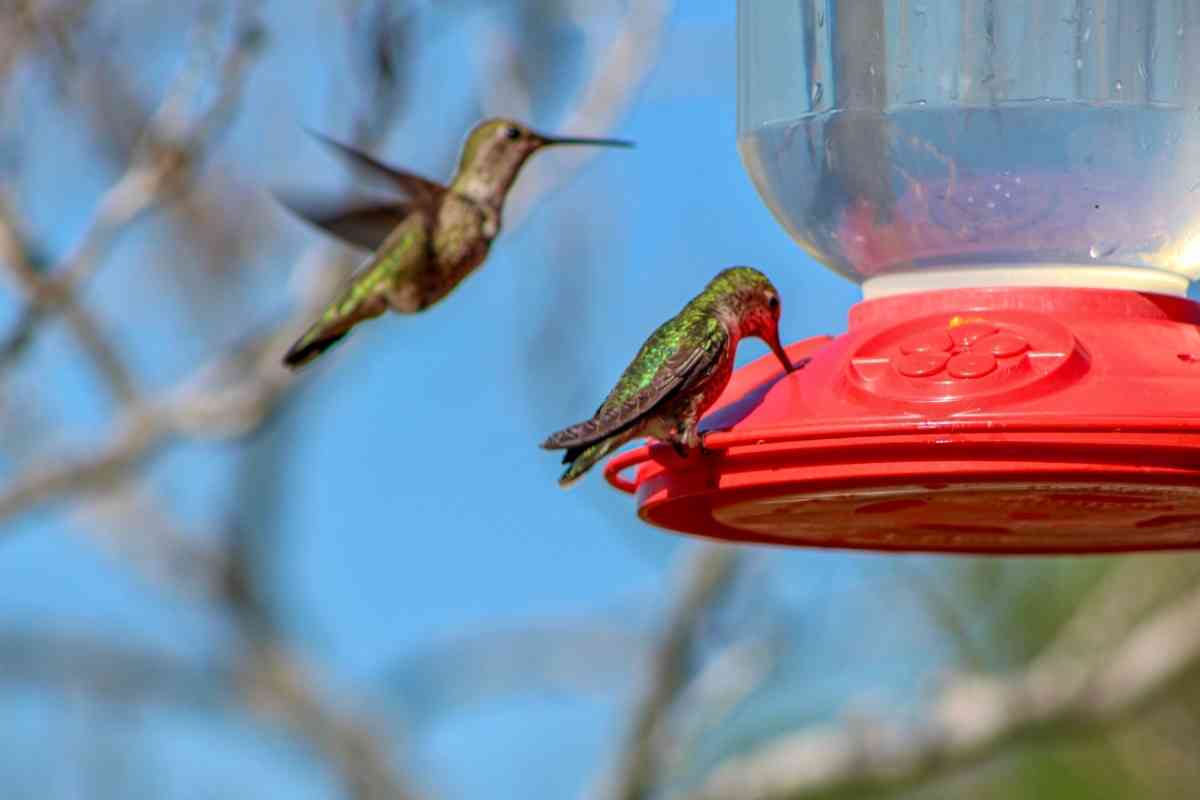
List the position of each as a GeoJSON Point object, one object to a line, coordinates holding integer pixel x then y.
{"type": "Point", "coordinates": [1016, 186]}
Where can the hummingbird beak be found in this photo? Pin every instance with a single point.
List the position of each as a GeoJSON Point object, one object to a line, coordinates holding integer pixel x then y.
{"type": "Point", "coordinates": [779, 352]}
{"type": "Point", "coordinates": [551, 141]}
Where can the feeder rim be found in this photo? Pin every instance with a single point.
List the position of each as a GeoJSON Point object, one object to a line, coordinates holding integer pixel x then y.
{"type": "Point", "coordinates": [1064, 276]}
{"type": "Point", "coordinates": [783, 434]}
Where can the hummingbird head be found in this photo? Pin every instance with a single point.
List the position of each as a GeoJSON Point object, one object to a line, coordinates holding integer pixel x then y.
{"type": "Point", "coordinates": [495, 151]}
{"type": "Point", "coordinates": [749, 300]}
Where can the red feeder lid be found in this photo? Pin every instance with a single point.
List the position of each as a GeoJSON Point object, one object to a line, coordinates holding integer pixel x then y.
{"type": "Point", "coordinates": [994, 420]}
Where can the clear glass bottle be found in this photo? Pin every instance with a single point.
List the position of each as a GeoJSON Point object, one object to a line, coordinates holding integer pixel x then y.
{"type": "Point", "coordinates": [911, 144]}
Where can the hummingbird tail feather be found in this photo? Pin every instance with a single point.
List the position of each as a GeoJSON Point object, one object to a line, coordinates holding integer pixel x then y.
{"type": "Point", "coordinates": [581, 459]}
{"type": "Point", "coordinates": [311, 345]}
{"type": "Point", "coordinates": [333, 327]}
{"type": "Point", "coordinates": [569, 438]}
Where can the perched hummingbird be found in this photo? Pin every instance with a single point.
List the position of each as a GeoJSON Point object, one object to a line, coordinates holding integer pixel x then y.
{"type": "Point", "coordinates": [426, 242]}
{"type": "Point", "coordinates": [679, 373]}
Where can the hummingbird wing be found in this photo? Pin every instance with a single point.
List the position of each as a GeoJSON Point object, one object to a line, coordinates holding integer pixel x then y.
{"type": "Point", "coordinates": [397, 265]}
{"type": "Point", "coordinates": [422, 190]}
{"type": "Point", "coordinates": [364, 223]}
{"type": "Point", "coordinates": [669, 362]}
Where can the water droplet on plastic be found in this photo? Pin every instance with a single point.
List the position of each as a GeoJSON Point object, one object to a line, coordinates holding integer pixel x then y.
{"type": "Point", "coordinates": [871, 69]}
{"type": "Point", "coordinates": [1118, 86]}
{"type": "Point", "coordinates": [1179, 32]}
{"type": "Point", "coordinates": [1141, 70]}
{"type": "Point", "coordinates": [1079, 63]}
{"type": "Point", "coordinates": [971, 199]}
{"type": "Point", "coordinates": [818, 91]}
{"type": "Point", "coordinates": [991, 204]}
{"type": "Point", "coordinates": [1008, 195]}
{"type": "Point", "coordinates": [1094, 251]}
{"type": "Point", "coordinates": [821, 19]}
{"type": "Point", "coordinates": [1102, 251]}
{"type": "Point", "coordinates": [1087, 34]}
{"type": "Point", "coordinates": [996, 187]}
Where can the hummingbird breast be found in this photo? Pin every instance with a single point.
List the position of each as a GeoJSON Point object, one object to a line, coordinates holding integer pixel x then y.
{"type": "Point", "coordinates": [462, 237]}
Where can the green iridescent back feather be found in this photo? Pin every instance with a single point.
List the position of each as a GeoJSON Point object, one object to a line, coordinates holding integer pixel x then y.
{"type": "Point", "coordinates": [404, 252]}
{"type": "Point", "coordinates": [663, 365]}
{"type": "Point", "coordinates": [680, 350]}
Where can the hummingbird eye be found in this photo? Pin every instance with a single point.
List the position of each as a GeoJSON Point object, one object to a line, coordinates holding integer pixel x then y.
{"type": "Point", "coordinates": [773, 303]}
{"type": "Point", "coordinates": [512, 133]}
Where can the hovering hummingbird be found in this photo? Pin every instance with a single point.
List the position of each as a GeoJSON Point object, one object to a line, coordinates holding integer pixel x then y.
{"type": "Point", "coordinates": [428, 240]}
{"type": "Point", "coordinates": [679, 373]}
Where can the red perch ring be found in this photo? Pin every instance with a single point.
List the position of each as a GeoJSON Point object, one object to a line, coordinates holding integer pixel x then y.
{"type": "Point", "coordinates": [996, 420]}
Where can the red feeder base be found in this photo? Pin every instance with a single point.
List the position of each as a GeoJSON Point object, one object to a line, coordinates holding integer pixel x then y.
{"type": "Point", "coordinates": [1027, 420]}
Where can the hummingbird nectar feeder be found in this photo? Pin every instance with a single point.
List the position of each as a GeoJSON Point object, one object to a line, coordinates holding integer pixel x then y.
{"type": "Point", "coordinates": [1023, 374]}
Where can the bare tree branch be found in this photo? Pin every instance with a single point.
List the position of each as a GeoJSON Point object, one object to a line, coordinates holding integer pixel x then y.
{"type": "Point", "coordinates": [201, 413]}
{"type": "Point", "coordinates": [728, 678]}
{"type": "Point", "coordinates": [278, 684]}
{"type": "Point", "coordinates": [38, 485]}
{"type": "Point", "coordinates": [705, 575]}
{"type": "Point", "coordinates": [41, 292]}
{"type": "Point", "coordinates": [165, 153]}
{"type": "Point", "coordinates": [275, 685]}
{"type": "Point", "coordinates": [570, 656]}
{"type": "Point", "coordinates": [28, 23]}
{"type": "Point", "coordinates": [975, 718]}
{"type": "Point", "coordinates": [132, 525]}
{"type": "Point", "coordinates": [226, 398]}
{"type": "Point", "coordinates": [161, 164]}
{"type": "Point", "coordinates": [117, 673]}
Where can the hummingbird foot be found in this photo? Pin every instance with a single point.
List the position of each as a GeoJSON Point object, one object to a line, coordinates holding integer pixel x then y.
{"type": "Point", "coordinates": [680, 448]}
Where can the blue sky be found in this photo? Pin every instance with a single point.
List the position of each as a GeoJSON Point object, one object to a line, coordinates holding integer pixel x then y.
{"type": "Point", "coordinates": [413, 507]}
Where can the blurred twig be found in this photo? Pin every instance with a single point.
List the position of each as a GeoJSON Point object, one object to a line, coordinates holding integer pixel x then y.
{"type": "Point", "coordinates": [278, 683]}
{"type": "Point", "coordinates": [729, 677]}
{"type": "Point", "coordinates": [132, 525]}
{"type": "Point", "coordinates": [162, 162]}
{"type": "Point", "coordinates": [570, 656]}
{"type": "Point", "coordinates": [275, 677]}
{"type": "Point", "coordinates": [975, 717]}
{"type": "Point", "coordinates": [117, 672]}
{"type": "Point", "coordinates": [27, 23]}
{"type": "Point", "coordinates": [42, 293]}
{"type": "Point", "coordinates": [706, 574]}
{"type": "Point", "coordinates": [230, 396]}
{"type": "Point", "coordinates": [1126, 593]}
